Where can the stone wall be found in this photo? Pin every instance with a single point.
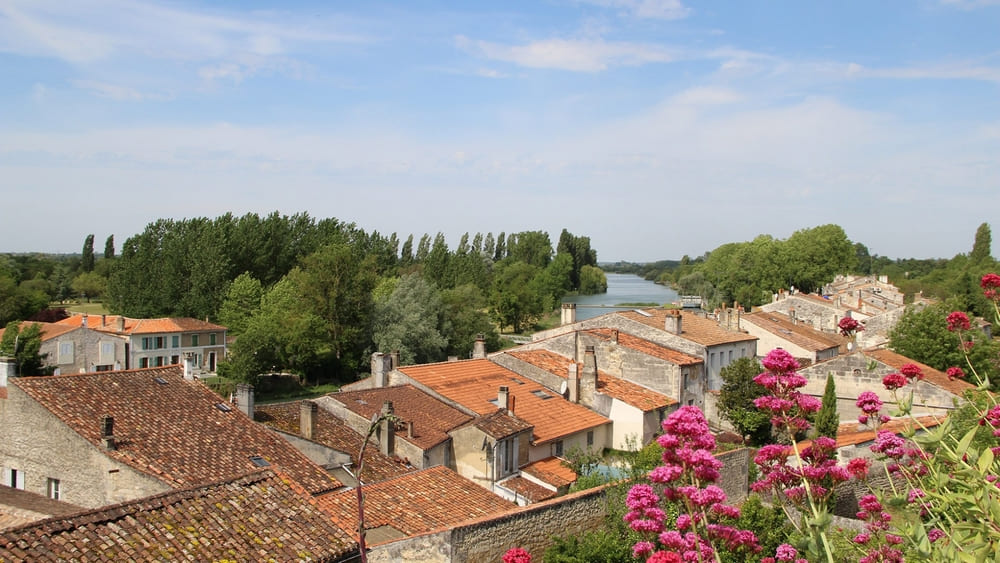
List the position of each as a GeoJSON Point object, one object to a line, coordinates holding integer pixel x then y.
{"type": "Point", "coordinates": [877, 328]}
{"type": "Point", "coordinates": [734, 476]}
{"type": "Point", "coordinates": [821, 316]}
{"type": "Point", "coordinates": [86, 351]}
{"type": "Point", "coordinates": [41, 446]}
{"type": "Point", "coordinates": [852, 376]}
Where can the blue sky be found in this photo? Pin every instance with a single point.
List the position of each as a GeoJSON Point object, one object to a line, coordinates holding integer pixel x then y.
{"type": "Point", "coordinates": [657, 127]}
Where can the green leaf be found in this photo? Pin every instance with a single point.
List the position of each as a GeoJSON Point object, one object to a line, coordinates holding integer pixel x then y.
{"type": "Point", "coordinates": [985, 461]}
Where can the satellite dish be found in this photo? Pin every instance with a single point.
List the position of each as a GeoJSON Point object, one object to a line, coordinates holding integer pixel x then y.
{"type": "Point", "coordinates": [564, 388]}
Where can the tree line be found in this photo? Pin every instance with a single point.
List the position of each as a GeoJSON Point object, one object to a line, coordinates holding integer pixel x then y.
{"type": "Point", "coordinates": [315, 296]}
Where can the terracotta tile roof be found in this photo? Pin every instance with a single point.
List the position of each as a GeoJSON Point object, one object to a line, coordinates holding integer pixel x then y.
{"type": "Point", "coordinates": [551, 470]}
{"type": "Point", "coordinates": [416, 503]}
{"type": "Point", "coordinates": [627, 392]}
{"type": "Point", "coordinates": [334, 433]}
{"type": "Point", "coordinates": [474, 383]}
{"type": "Point", "coordinates": [645, 346]}
{"type": "Point", "coordinates": [262, 516]}
{"type": "Point", "coordinates": [18, 507]}
{"type": "Point", "coordinates": [500, 425]}
{"type": "Point", "coordinates": [48, 331]}
{"type": "Point", "coordinates": [695, 328]}
{"type": "Point", "coordinates": [172, 431]}
{"type": "Point", "coordinates": [431, 417]}
{"type": "Point", "coordinates": [142, 326]}
{"type": "Point", "coordinates": [931, 375]}
{"type": "Point", "coordinates": [528, 489]}
{"type": "Point", "coordinates": [849, 435]}
{"type": "Point", "coordinates": [800, 334]}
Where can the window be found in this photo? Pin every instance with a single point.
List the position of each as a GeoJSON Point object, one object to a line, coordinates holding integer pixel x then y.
{"type": "Point", "coordinates": [175, 341]}
{"type": "Point", "coordinates": [730, 356]}
{"type": "Point", "coordinates": [159, 361]}
{"type": "Point", "coordinates": [590, 438]}
{"type": "Point", "coordinates": [14, 478]}
{"type": "Point", "coordinates": [147, 343]}
{"type": "Point", "coordinates": [194, 339]}
{"type": "Point", "coordinates": [107, 353]}
{"type": "Point", "coordinates": [507, 452]}
{"type": "Point", "coordinates": [143, 362]}
{"type": "Point", "coordinates": [174, 360]}
{"type": "Point", "coordinates": [559, 448]}
{"type": "Point", "coordinates": [712, 360]}
{"type": "Point", "coordinates": [211, 339]}
{"type": "Point", "coordinates": [52, 489]}
{"type": "Point", "coordinates": [161, 342]}
{"type": "Point", "coordinates": [66, 352]}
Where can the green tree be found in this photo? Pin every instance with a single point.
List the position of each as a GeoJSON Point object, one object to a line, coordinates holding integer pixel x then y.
{"type": "Point", "coordinates": [463, 245]}
{"type": "Point", "coordinates": [982, 246]}
{"type": "Point", "coordinates": [466, 315]}
{"type": "Point", "coordinates": [423, 249]}
{"type": "Point", "coordinates": [553, 282]}
{"type": "Point", "coordinates": [23, 342]}
{"type": "Point", "coordinates": [736, 400]}
{"type": "Point", "coordinates": [436, 265]}
{"type": "Point", "coordinates": [336, 283]}
{"type": "Point", "coordinates": [109, 248]}
{"type": "Point", "coordinates": [501, 248]}
{"type": "Point", "coordinates": [592, 280]}
{"type": "Point", "coordinates": [89, 285]}
{"type": "Point", "coordinates": [515, 301]}
{"type": "Point", "coordinates": [408, 320]}
{"type": "Point", "coordinates": [489, 245]}
{"type": "Point", "coordinates": [243, 299]}
{"type": "Point", "coordinates": [19, 302]}
{"type": "Point", "coordinates": [406, 254]}
{"type": "Point", "coordinates": [827, 419]}
{"type": "Point", "coordinates": [87, 262]}
{"type": "Point", "coordinates": [816, 255]}
{"type": "Point", "coordinates": [531, 247]}
{"type": "Point", "coordinates": [922, 335]}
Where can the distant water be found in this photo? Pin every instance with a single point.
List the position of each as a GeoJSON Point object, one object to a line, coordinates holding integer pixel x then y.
{"type": "Point", "coordinates": [622, 288]}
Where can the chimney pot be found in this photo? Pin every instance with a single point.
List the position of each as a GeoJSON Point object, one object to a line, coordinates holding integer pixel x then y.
{"type": "Point", "coordinates": [189, 366]}
{"type": "Point", "coordinates": [479, 347]}
{"type": "Point", "coordinates": [394, 360]}
{"type": "Point", "coordinates": [244, 399]}
{"type": "Point", "coordinates": [121, 323]}
{"type": "Point", "coordinates": [108, 431]}
{"type": "Point", "coordinates": [568, 314]}
{"type": "Point", "coordinates": [104, 320]}
{"type": "Point", "coordinates": [409, 429]}
{"type": "Point", "coordinates": [307, 419]}
{"type": "Point", "coordinates": [503, 398]}
{"type": "Point", "coordinates": [83, 320]}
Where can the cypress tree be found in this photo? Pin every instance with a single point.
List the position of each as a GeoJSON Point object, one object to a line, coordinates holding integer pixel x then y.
{"type": "Point", "coordinates": [87, 261]}
{"type": "Point", "coordinates": [827, 419]}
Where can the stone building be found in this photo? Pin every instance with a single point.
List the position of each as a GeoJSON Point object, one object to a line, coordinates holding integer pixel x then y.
{"type": "Point", "coordinates": [801, 340]}
{"type": "Point", "coordinates": [77, 349]}
{"type": "Point", "coordinates": [102, 438]}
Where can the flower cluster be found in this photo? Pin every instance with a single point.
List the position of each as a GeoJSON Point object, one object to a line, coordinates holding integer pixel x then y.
{"type": "Point", "coordinates": [955, 372]}
{"type": "Point", "coordinates": [911, 371]}
{"type": "Point", "coordinates": [848, 326]}
{"type": "Point", "coordinates": [785, 553]}
{"type": "Point", "coordinates": [785, 403]}
{"type": "Point", "coordinates": [991, 286]}
{"type": "Point", "coordinates": [870, 405]}
{"type": "Point", "coordinates": [516, 555]}
{"type": "Point", "coordinates": [958, 321]}
{"type": "Point", "coordinates": [894, 381]}
{"type": "Point", "coordinates": [819, 470]}
{"type": "Point", "coordinates": [993, 419]}
{"type": "Point", "coordinates": [686, 475]}
{"type": "Point", "coordinates": [876, 524]}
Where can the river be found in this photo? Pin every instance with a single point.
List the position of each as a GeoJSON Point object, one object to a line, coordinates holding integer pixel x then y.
{"type": "Point", "coordinates": [622, 288]}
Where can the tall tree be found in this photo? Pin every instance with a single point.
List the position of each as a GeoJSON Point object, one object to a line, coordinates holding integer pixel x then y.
{"type": "Point", "coordinates": [337, 282]}
{"type": "Point", "coordinates": [488, 245]}
{"type": "Point", "coordinates": [515, 299]}
{"type": "Point", "coordinates": [243, 299]}
{"type": "Point", "coordinates": [89, 285]}
{"type": "Point", "coordinates": [423, 248]}
{"type": "Point", "coordinates": [477, 243]}
{"type": "Point", "coordinates": [408, 320]}
{"type": "Point", "coordinates": [736, 400]}
{"type": "Point", "coordinates": [501, 249]}
{"type": "Point", "coordinates": [23, 342]}
{"type": "Point", "coordinates": [982, 246]}
{"type": "Point", "coordinates": [463, 245]}
{"type": "Point", "coordinates": [109, 248]}
{"type": "Point", "coordinates": [436, 267]}
{"type": "Point", "coordinates": [827, 419]}
{"type": "Point", "coordinates": [87, 261]}
{"type": "Point", "coordinates": [465, 317]}
{"type": "Point", "coordinates": [406, 254]}
{"type": "Point", "coordinates": [531, 247]}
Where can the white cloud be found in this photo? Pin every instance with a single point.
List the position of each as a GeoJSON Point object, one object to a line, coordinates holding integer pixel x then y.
{"type": "Point", "coordinates": [580, 55]}
{"type": "Point", "coordinates": [941, 71]}
{"type": "Point", "coordinates": [651, 9]}
{"type": "Point", "coordinates": [707, 96]}
{"type": "Point", "coordinates": [112, 91]}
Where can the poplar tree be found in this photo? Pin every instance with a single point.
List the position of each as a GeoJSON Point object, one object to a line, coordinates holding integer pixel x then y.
{"type": "Point", "coordinates": [827, 419]}
{"type": "Point", "coordinates": [87, 261]}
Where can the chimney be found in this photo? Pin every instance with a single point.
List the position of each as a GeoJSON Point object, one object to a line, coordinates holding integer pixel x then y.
{"type": "Point", "coordinates": [588, 379]}
{"type": "Point", "coordinates": [574, 382]}
{"type": "Point", "coordinates": [244, 398]}
{"type": "Point", "coordinates": [108, 431]}
{"type": "Point", "coordinates": [189, 366]}
{"type": "Point", "coordinates": [121, 323]}
{"type": "Point", "coordinates": [503, 398]}
{"type": "Point", "coordinates": [568, 314]}
{"type": "Point", "coordinates": [104, 320]}
{"type": "Point", "coordinates": [378, 368]}
{"type": "Point", "coordinates": [409, 429]}
{"type": "Point", "coordinates": [307, 419]}
{"type": "Point", "coordinates": [83, 321]}
{"type": "Point", "coordinates": [673, 322]}
{"type": "Point", "coordinates": [791, 315]}
{"type": "Point", "coordinates": [8, 369]}
{"type": "Point", "coordinates": [452, 358]}
{"type": "Point", "coordinates": [393, 360]}
{"type": "Point", "coordinates": [387, 437]}
{"type": "Point", "coordinates": [614, 336]}
{"type": "Point", "coordinates": [479, 347]}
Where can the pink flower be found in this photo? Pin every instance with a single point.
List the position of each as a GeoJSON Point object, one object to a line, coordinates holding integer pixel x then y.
{"type": "Point", "coordinates": [780, 361]}
{"type": "Point", "coordinates": [785, 552]}
{"type": "Point", "coordinates": [869, 403]}
{"type": "Point", "coordinates": [894, 381]}
{"type": "Point", "coordinates": [934, 534]}
{"type": "Point", "coordinates": [911, 371]}
{"type": "Point", "coordinates": [958, 320]}
{"type": "Point", "coordinates": [664, 557]}
{"type": "Point", "coordinates": [849, 326]}
{"type": "Point", "coordinates": [858, 467]}
{"type": "Point", "coordinates": [516, 555]}
{"type": "Point", "coordinates": [955, 372]}
{"type": "Point", "coordinates": [990, 281]}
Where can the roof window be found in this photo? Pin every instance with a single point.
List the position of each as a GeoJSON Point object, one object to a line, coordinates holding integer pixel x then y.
{"type": "Point", "coordinates": [259, 461]}
{"type": "Point", "coordinates": [160, 380]}
{"type": "Point", "coordinates": [223, 407]}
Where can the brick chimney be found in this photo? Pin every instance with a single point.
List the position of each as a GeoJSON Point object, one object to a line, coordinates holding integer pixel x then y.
{"type": "Point", "coordinates": [672, 324]}
{"type": "Point", "coordinates": [503, 398]}
{"type": "Point", "coordinates": [479, 347]}
{"type": "Point", "coordinates": [588, 379]}
{"type": "Point", "coordinates": [189, 358]}
{"type": "Point", "coordinates": [381, 366]}
{"type": "Point", "coordinates": [108, 431]}
{"type": "Point", "coordinates": [307, 419]}
{"type": "Point", "coordinates": [387, 430]}
{"type": "Point", "coordinates": [104, 320]}
{"type": "Point", "coordinates": [568, 314]}
{"type": "Point", "coordinates": [573, 382]}
{"type": "Point", "coordinates": [244, 398]}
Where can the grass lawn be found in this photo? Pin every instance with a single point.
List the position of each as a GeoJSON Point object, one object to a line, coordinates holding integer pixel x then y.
{"type": "Point", "coordinates": [95, 308]}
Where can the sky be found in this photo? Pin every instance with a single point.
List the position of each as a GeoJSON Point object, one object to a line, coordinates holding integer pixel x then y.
{"type": "Point", "coordinates": [658, 128]}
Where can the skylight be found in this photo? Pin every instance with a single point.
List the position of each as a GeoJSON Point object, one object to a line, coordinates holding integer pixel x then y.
{"type": "Point", "coordinates": [643, 313]}
{"type": "Point", "coordinates": [223, 407]}
{"type": "Point", "coordinates": [541, 394]}
{"type": "Point", "coordinates": [259, 461]}
{"type": "Point", "coordinates": [160, 380]}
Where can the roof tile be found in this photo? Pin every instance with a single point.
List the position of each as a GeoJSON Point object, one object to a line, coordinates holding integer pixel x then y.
{"type": "Point", "coordinates": [695, 328]}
